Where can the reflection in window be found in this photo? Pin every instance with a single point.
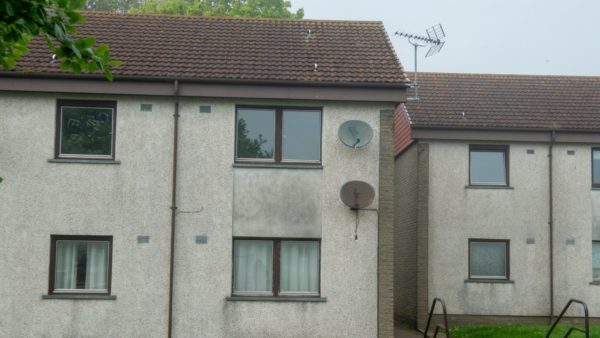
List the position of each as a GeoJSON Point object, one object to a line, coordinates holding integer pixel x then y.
{"type": "Point", "coordinates": [488, 167]}
{"type": "Point", "coordinates": [596, 260]}
{"type": "Point", "coordinates": [301, 135]}
{"type": "Point", "coordinates": [488, 259]}
{"type": "Point", "coordinates": [86, 131]}
{"type": "Point", "coordinates": [596, 167]}
{"type": "Point", "coordinates": [255, 133]}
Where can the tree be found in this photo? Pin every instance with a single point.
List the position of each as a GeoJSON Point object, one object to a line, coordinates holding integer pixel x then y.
{"type": "Point", "coordinates": [54, 20]}
{"type": "Point", "coordinates": [239, 8]}
{"type": "Point", "coordinates": [119, 6]}
{"type": "Point", "coordinates": [248, 147]}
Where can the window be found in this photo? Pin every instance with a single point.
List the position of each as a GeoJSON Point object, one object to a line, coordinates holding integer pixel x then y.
{"type": "Point", "coordinates": [276, 267]}
{"type": "Point", "coordinates": [80, 264]}
{"type": "Point", "coordinates": [85, 129]}
{"type": "Point", "coordinates": [488, 259]}
{"type": "Point", "coordinates": [596, 260]}
{"type": "Point", "coordinates": [596, 167]}
{"type": "Point", "coordinates": [488, 165]}
{"type": "Point", "coordinates": [276, 135]}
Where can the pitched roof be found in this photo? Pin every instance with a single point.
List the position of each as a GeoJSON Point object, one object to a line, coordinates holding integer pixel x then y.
{"type": "Point", "coordinates": [491, 101]}
{"type": "Point", "coordinates": [210, 48]}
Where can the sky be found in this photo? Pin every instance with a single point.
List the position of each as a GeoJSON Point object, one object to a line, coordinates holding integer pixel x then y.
{"type": "Point", "coordinates": [542, 37]}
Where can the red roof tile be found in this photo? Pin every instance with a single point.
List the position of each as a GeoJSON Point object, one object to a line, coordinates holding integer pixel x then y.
{"type": "Point", "coordinates": [492, 101]}
{"type": "Point", "coordinates": [209, 48]}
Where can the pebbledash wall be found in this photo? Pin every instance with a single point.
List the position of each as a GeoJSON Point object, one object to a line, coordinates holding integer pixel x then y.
{"type": "Point", "coordinates": [452, 213]}
{"type": "Point", "coordinates": [39, 198]}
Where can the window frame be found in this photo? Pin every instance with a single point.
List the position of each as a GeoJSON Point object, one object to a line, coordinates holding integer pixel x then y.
{"type": "Point", "coordinates": [491, 148]}
{"type": "Point", "coordinates": [506, 258]}
{"type": "Point", "coordinates": [278, 142]}
{"type": "Point", "coordinates": [594, 279]}
{"type": "Point", "coordinates": [276, 282]}
{"type": "Point", "coordinates": [52, 269]}
{"type": "Point", "coordinates": [594, 185]}
{"type": "Point", "coordinates": [60, 103]}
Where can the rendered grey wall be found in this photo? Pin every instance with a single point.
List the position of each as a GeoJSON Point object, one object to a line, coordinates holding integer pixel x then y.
{"type": "Point", "coordinates": [457, 213]}
{"type": "Point", "coordinates": [38, 198]}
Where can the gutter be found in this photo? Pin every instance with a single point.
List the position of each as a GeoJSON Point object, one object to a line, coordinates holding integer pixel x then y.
{"type": "Point", "coordinates": [173, 204]}
{"type": "Point", "coordinates": [551, 222]}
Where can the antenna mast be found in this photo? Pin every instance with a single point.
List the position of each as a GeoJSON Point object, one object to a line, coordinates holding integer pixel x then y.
{"type": "Point", "coordinates": [434, 37]}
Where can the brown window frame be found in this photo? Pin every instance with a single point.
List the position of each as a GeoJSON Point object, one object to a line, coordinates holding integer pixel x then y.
{"type": "Point", "coordinates": [594, 185]}
{"type": "Point", "coordinates": [276, 292]}
{"type": "Point", "coordinates": [491, 148]}
{"type": "Point", "coordinates": [52, 276]}
{"type": "Point", "coordinates": [84, 103]}
{"type": "Point", "coordinates": [278, 146]}
{"type": "Point", "coordinates": [506, 253]}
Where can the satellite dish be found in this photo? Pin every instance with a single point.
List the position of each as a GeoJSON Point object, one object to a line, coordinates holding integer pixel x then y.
{"type": "Point", "coordinates": [357, 194]}
{"type": "Point", "coordinates": [355, 134]}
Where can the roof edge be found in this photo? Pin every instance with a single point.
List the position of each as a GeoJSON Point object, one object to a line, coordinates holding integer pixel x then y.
{"type": "Point", "coordinates": [507, 135]}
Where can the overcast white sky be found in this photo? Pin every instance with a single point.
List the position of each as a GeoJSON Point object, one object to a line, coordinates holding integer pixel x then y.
{"type": "Point", "coordinates": [485, 36]}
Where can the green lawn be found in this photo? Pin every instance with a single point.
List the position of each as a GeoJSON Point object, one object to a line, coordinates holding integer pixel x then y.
{"type": "Point", "coordinates": [518, 331]}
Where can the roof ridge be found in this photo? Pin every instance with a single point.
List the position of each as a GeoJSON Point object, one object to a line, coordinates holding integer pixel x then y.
{"type": "Point", "coordinates": [234, 18]}
{"type": "Point", "coordinates": [508, 75]}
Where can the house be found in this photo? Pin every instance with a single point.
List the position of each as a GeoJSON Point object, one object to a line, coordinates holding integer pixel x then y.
{"type": "Point", "coordinates": [198, 194]}
{"type": "Point", "coordinates": [499, 211]}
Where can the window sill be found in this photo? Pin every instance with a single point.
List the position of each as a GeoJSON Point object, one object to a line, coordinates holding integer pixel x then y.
{"type": "Point", "coordinates": [490, 281]}
{"type": "Point", "coordinates": [489, 187]}
{"type": "Point", "coordinates": [80, 297]}
{"type": "Point", "coordinates": [275, 299]}
{"type": "Point", "coordinates": [69, 160]}
{"type": "Point", "coordinates": [278, 165]}
{"type": "Point", "coordinates": [596, 282]}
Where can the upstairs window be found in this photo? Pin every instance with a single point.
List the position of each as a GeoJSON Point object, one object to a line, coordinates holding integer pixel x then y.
{"type": "Point", "coordinates": [596, 260]}
{"type": "Point", "coordinates": [80, 264]}
{"type": "Point", "coordinates": [596, 167]}
{"type": "Point", "coordinates": [488, 165]}
{"type": "Point", "coordinates": [488, 259]}
{"type": "Point", "coordinates": [278, 135]}
{"type": "Point", "coordinates": [85, 129]}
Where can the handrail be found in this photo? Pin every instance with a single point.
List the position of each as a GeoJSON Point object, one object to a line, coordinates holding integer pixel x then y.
{"type": "Point", "coordinates": [438, 327]}
{"type": "Point", "coordinates": [573, 328]}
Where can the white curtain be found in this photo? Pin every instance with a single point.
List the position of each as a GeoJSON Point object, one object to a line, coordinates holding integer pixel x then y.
{"type": "Point", "coordinates": [253, 266]}
{"type": "Point", "coordinates": [66, 265]}
{"type": "Point", "coordinates": [96, 265]}
{"type": "Point", "coordinates": [299, 266]}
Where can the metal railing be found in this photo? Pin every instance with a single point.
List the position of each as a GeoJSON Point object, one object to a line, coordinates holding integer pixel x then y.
{"type": "Point", "coordinates": [438, 327]}
{"type": "Point", "coordinates": [573, 328]}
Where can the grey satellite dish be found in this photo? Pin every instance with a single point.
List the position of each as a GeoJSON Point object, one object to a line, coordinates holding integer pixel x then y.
{"type": "Point", "coordinates": [357, 194]}
{"type": "Point", "coordinates": [355, 134]}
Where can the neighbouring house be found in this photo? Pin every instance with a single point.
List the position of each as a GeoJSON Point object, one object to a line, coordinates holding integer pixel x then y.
{"type": "Point", "coordinates": [198, 195]}
{"type": "Point", "coordinates": [498, 207]}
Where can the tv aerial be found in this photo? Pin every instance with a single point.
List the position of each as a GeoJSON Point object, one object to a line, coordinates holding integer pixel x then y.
{"type": "Point", "coordinates": [434, 39]}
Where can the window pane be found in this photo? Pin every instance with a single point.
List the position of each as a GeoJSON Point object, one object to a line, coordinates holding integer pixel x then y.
{"type": "Point", "coordinates": [596, 260]}
{"type": "Point", "coordinates": [81, 265]}
{"type": "Point", "coordinates": [488, 168]}
{"type": "Point", "coordinates": [253, 265]}
{"type": "Point", "coordinates": [299, 266]}
{"type": "Point", "coordinates": [255, 133]}
{"type": "Point", "coordinates": [86, 131]}
{"type": "Point", "coordinates": [488, 259]}
{"type": "Point", "coordinates": [301, 135]}
{"type": "Point", "coordinates": [596, 166]}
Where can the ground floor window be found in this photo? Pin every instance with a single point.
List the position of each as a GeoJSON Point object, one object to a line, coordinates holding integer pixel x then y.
{"type": "Point", "coordinates": [276, 267]}
{"type": "Point", "coordinates": [488, 259]}
{"type": "Point", "coordinates": [80, 264]}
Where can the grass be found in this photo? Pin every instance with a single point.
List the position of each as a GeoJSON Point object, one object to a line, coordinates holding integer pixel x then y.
{"type": "Point", "coordinates": [518, 331]}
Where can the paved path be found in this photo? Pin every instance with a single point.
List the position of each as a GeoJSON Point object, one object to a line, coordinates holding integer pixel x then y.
{"type": "Point", "coordinates": [404, 331]}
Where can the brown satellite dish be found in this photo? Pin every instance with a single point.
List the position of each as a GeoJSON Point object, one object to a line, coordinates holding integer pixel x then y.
{"type": "Point", "coordinates": [357, 194]}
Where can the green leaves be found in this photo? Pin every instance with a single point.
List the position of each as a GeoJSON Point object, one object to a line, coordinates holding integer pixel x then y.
{"type": "Point", "coordinates": [239, 8]}
{"type": "Point", "coordinates": [55, 20]}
